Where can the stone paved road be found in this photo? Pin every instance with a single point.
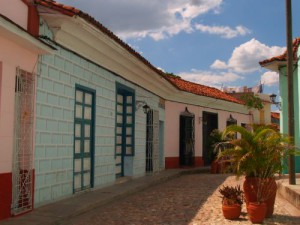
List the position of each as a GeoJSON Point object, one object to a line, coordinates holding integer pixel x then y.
{"type": "Point", "coordinates": [187, 200]}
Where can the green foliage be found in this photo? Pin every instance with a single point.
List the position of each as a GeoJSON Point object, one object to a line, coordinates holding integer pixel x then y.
{"type": "Point", "coordinates": [215, 137]}
{"type": "Point", "coordinates": [252, 101]}
{"type": "Point", "coordinates": [260, 152]}
{"type": "Point", "coordinates": [171, 74]}
{"type": "Point", "coordinates": [231, 195]}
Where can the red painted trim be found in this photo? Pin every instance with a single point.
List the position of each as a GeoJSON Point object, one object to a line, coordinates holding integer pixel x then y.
{"type": "Point", "coordinates": [33, 187]}
{"type": "Point", "coordinates": [171, 162]}
{"type": "Point", "coordinates": [199, 161]}
{"type": "Point", "coordinates": [33, 23]}
{"type": "Point", "coordinates": [5, 195]}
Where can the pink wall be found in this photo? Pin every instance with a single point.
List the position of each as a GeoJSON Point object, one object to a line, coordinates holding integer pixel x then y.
{"type": "Point", "coordinates": [11, 57]}
{"type": "Point", "coordinates": [15, 10]}
{"type": "Point", "coordinates": [173, 111]}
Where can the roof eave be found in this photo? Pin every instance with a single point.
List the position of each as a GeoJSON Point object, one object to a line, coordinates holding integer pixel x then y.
{"type": "Point", "coordinates": [274, 65]}
{"type": "Point", "coordinates": [17, 34]}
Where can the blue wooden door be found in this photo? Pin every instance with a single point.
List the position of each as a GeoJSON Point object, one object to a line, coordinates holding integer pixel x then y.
{"type": "Point", "coordinates": [83, 138]}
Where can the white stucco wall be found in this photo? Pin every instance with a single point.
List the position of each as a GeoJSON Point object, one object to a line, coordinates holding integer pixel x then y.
{"type": "Point", "coordinates": [173, 111]}
{"type": "Point", "coordinates": [15, 10]}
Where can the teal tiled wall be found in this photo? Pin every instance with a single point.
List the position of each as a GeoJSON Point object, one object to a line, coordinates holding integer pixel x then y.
{"type": "Point", "coordinates": [57, 76]}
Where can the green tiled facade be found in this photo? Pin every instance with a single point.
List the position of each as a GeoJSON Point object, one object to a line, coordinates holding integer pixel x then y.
{"type": "Point", "coordinates": [57, 76]}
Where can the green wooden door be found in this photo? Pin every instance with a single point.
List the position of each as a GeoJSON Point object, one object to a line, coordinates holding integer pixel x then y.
{"type": "Point", "coordinates": [83, 138]}
{"type": "Point", "coordinates": [124, 127]}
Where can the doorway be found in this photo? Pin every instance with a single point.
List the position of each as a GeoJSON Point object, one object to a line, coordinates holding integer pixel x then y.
{"type": "Point", "coordinates": [187, 139]}
{"type": "Point", "coordinates": [209, 123]}
{"type": "Point", "coordinates": [125, 104]}
{"type": "Point", "coordinates": [84, 138]}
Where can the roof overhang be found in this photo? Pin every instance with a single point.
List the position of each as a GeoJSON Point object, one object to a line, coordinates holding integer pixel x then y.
{"type": "Point", "coordinates": [276, 65]}
{"type": "Point", "coordinates": [208, 102]}
{"type": "Point", "coordinates": [18, 35]}
{"type": "Point", "coordinates": [78, 35]}
{"type": "Point", "coordinates": [82, 37]}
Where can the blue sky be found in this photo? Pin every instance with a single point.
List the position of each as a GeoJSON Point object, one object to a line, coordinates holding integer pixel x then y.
{"type": "Point", "coordinates": [213, 42]}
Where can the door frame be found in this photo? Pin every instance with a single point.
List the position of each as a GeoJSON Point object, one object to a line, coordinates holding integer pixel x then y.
{"type": "Point", "coordinates": [183, 160]}
{"type": "Point", "coordinates": [92, 136]}
{"type": "Point", "coordinates": [208, 125]}
{"type": "Point", "coordinates": [125, 92]}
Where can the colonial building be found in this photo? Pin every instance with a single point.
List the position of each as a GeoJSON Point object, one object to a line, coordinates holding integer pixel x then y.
{"type": "Point", "coordinates": [85, 109]}
{"type": "Point", "coordinates": [192, 116]}
{"type": "Point", "coordinates": [279, 64]}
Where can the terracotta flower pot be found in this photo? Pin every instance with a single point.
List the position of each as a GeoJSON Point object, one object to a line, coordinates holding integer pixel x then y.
{"type": "Point", "coordinates": [257, 212]}
{"type": "Point", "coordinates": [214, 167]}
{"type": "Point", "coordinates": [268, 190]}
{"type": "Point", "coordinates": [231, 212]}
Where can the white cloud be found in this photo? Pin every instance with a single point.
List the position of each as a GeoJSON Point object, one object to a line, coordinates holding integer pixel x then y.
{"type": "Point", "coordinates": [156, 18]}
{"type": "Point", "coordinates": [193, 8]}
{"type": "Point", "coordinates": [218, 64]}
{"type": "Point", "coordinates": [270, 78]}
{"type": "Point", "coordinates": [245, 58]}
{"type": "Point", "coordinates": [210, 78]}
{"type": "Point", "coordinates": [224, 31]}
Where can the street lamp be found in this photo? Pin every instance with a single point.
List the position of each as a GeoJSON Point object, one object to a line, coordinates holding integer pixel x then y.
{"type": "Point", "coordinates": [142, 104]}
{"type": "Point", "coordinates": [273, 101]}
{"type": "Point", "coordinates": [146, 108]}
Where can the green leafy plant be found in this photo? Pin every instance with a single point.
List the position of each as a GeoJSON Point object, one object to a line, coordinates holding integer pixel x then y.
{"type": "Point", "coordinates": [215, 137]}
{"type": "Point", "coordinates": [252, 101]}
{"type": "Point", "coordinates": [259, 152]}
{"type": "Point", "coordinates": [231, 195]}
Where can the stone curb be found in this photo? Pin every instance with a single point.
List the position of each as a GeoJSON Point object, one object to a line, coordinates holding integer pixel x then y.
{"type": "Point", "coordinates": [290, 192]}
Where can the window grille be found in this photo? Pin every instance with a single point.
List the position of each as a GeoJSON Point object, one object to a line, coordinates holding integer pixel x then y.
{"type": "Point", "coordinates": [22, 173]}
{"type": "Point", "coordinates": [152, 146]}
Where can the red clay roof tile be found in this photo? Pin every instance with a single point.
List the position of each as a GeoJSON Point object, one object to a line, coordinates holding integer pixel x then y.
{"type": "Point", "coordinates": [199, 89]}
{"type": "Point", "coordinates": [283, 57]}
{"type": "Point", "coordinates": [175, 81]}
{"type": "Point", "coordinates": [275, 115]}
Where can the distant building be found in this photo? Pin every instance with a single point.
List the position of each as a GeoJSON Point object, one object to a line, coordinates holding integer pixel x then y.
{"type": "Point", "coordinates": [262, 116]}
{"type": "Point", "coordinates": [275, 119]}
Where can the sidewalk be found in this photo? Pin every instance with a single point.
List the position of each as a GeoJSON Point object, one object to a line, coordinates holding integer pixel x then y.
{"type": "Point", "coordinates": [57, 212]}
{"type": "Point", "coordinates": [290, 192]}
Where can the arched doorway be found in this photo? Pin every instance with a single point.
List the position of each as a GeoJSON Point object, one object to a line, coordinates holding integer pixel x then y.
{"type": "Point", "coordinates": [187, 138]}
{"type": "Point", "coordinates": [209, 123]}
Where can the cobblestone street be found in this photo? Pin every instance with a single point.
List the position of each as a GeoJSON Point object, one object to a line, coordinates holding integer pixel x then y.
{"type": "Point", "coordinates": [189, 199]}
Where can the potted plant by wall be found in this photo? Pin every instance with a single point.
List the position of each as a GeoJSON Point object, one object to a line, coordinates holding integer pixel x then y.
{"type": "Point", "coordinates": [232, 200]}
{"type": "Point", "coordinates": [218, 144]}
{"type": "Point", "coordinates": [215, 138]}
{"type": "Point", "coordinates": [258, 154]}
{"type": "Point", "coordinates": [257, 208]}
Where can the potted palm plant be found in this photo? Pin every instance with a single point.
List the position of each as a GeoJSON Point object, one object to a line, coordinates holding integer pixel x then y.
{"type": "Point", "coordinates": [232, 199]}
{"type": "Point", "coordinates": [257, 206]}
{"type": "Point", "coordinates": [215, 138]}
{"type": "Point", "coordinates": [258, 154]}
